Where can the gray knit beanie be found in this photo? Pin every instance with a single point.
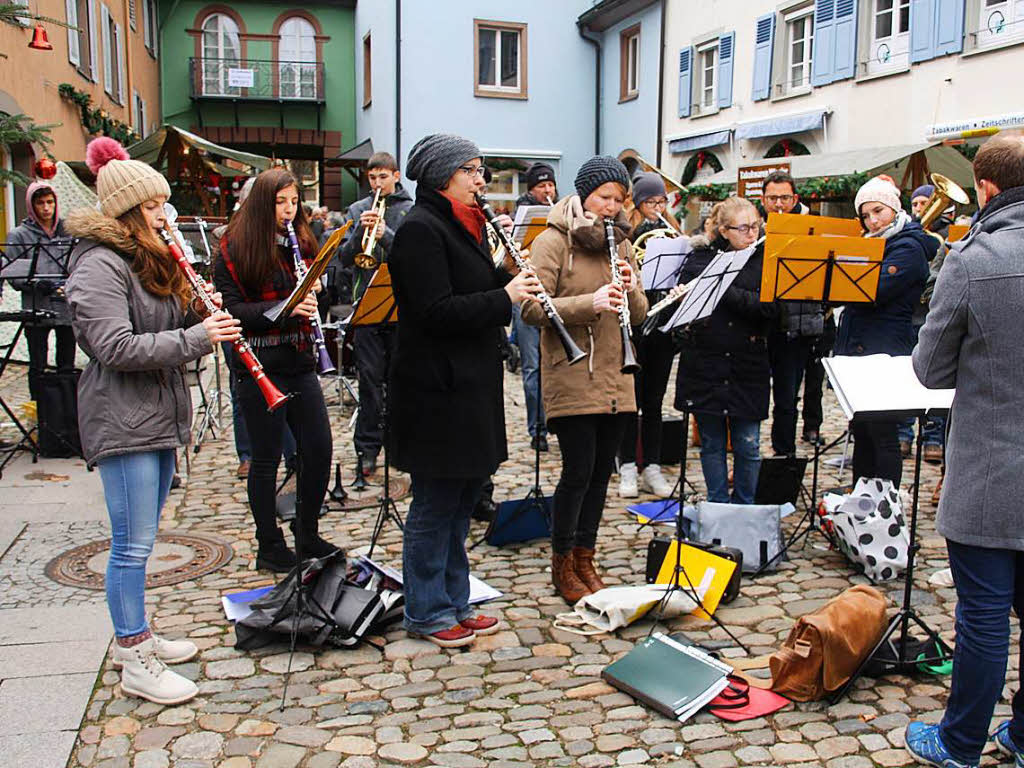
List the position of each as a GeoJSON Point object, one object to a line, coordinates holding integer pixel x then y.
{"type": "Point", "coordinates": [435, 158]}
{"type": "Point", "coordinates": [600, 170]}
{"type": "Point", "coordinates": [646, 186]}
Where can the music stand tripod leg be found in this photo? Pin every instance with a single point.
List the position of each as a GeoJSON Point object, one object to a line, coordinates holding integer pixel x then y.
{"type": "Point", "coordinates": [387, 509]}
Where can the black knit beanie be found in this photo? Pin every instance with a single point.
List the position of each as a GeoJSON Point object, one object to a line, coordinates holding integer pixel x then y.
{"type": "Point", "coordinates": [600, 170]}
{"type": "Point", "coordinates": [537, 173]}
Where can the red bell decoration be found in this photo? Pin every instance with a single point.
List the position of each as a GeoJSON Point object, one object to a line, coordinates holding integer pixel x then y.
{"type": "Point", "coordinates": [45, 168]}
{"type": "Point", "coordinates": [39, 39]}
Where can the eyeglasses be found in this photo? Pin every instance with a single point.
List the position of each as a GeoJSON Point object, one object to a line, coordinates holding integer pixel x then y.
{"type": "Point", "coordinates": [744, 229]}
{"type": "Point", "coordinates": [786, 199]}
{"type": "Point", "coordinates": [470, 170]}
{"type": "Point", "coordinates": [655, 202]}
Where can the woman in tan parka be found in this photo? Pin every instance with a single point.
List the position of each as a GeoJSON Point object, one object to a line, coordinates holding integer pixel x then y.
{"type": "Point", "coordinates": [586, 404]}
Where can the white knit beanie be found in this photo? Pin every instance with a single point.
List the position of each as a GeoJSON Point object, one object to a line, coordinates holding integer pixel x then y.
{"type": "Point", "coordinates": [878, 190]}
{"type": "Point", "coordinates": [122, 183]}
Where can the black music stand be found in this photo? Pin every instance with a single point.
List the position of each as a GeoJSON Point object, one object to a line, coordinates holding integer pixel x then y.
{"type": "Point", "coordinates": [377, 309]}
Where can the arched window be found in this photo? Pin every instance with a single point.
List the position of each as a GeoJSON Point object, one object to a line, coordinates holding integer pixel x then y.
{"type": "Point", "coordinates": [222, 50]}
{"type": "Point", "coordinates": [297, 59]}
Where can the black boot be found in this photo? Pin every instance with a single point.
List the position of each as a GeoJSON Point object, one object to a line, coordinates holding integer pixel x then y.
{"type": "Point", "coordinates": [310, 543]}
{"type": "Point", "coordinates": [275, 556]}
{"type": "Point", "coordinates": [485, 508]}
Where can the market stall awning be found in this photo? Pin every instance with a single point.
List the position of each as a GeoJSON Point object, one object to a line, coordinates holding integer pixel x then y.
{"type": "Point", "coordinates": [783, 125]}
{"type": "Point", "coordinates": [357, 155]}
{"type": "Point", "coordinates": [873, 161]}
{"type": "Point", "coordinates": [698, 141]}
{"type": "Point", "coordinates": [149, 150]}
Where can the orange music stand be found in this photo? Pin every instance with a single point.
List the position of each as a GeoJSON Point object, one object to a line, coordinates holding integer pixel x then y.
{"type": "Point", "coordinates": [377, 304]}
{"type": "Point", "coordinates": [819, 258]}
{"type": "Point", "coordinates": [956, 232]}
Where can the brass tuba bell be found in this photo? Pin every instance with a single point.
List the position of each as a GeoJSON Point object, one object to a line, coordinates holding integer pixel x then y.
{"type": "Point", "coordinates": [946, 193]}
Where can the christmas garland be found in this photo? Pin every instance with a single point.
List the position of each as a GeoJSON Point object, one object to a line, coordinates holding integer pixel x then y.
{"type": "Point", "coordinates": [97, 120]}
{"type": "Point", "coordinates": [713, 192]}
{"type": "Point", "coordinates": [832, 187]}
{"type": "Point", "coordinates": [697, 162]}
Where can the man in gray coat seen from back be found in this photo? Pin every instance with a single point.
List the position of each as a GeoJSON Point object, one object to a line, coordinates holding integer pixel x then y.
{"type": "Point", "coordinates": [973, 340]}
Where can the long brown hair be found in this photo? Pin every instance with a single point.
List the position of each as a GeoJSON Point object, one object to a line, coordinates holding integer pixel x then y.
{"type": "Point", "coordinates": [153, 262]}
{"type": "Point", "coordinates": [252, 232]}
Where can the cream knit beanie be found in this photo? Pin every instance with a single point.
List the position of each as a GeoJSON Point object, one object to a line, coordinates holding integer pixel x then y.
{"type": "Point", "coordinates": [122, 183]}
{"type": "Point", "coordinates": [878, 190]}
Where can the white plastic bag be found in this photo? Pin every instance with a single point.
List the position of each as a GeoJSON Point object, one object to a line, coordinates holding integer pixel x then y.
{"type": "Point", "coordinates": [614, 607]}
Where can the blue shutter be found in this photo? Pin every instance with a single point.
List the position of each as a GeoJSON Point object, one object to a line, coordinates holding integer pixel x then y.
{"type": "Point", "coordinates": [726, 44]}
{"type": "Point", "coordinates": [823, 62]}
{"type": "Point", "coordinates": [922, 30]}
{"type": "Point", "coordinates": [949, 26]}
{"type": "Point", "coordinates": [685, 81]}
{"type": "Point", "coordinates": [764, 42]}
{"type": "Point", "coordinates": [845, 37]}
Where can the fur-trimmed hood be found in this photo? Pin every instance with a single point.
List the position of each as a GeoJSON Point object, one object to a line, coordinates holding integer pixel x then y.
{"type": "Point", "coordinates": [583, 228]}
{"type": "Point", "coordinates": [94, 228]}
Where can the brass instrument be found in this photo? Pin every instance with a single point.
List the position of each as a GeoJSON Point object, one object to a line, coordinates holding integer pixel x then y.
{"type": "Point", "coordinates": [640, 244]}
{"type": "Point", "coordinates": [946, 193]}
{"type": "Point", "coordinates": [366, 259]}
{"type": "Point", "coordinates": [629, 363]}
{"type": "Point", "coordinates": [650, 167]}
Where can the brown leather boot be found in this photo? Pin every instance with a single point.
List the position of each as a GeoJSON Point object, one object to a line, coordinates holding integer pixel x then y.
{"type": "Point", "coordinates": [583, 563]}
{"type": "Point", "coordinates": [564, 577]}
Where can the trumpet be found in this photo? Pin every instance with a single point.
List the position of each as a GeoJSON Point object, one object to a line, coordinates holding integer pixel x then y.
{"type": "Point", "coordinates": [629, 363]}
{"type": "Point", "coordinates": [271, 394]}
{"type": "Point", "coordinates": [366, 259]}
{"type": "Point", "coordinates": [572, 351]}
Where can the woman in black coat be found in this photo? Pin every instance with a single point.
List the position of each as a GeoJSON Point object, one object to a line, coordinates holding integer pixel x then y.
{"type": "Point", "coordinates": [724, 374]}
{"type": "Point", "coordinates": [447, 405]}
{"type": "Point", "coordinates": [885, 326]}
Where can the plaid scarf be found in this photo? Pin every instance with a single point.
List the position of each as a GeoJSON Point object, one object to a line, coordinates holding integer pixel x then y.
{"type": "Point", "coordinates": [297, 332]}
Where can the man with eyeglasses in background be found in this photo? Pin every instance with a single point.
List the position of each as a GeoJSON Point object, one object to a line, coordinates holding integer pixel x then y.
{"type": "Point", "coordinates": [798, 345]}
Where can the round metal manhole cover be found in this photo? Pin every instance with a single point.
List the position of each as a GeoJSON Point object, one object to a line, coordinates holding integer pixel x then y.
{"type": "Point", "coordinates": [399, 485]}
{"type": "Point", "coordinates": [176, 557]}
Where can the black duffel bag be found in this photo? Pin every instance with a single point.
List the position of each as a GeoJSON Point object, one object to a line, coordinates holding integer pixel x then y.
{"type": "Point", "coordinates": [57, 413]}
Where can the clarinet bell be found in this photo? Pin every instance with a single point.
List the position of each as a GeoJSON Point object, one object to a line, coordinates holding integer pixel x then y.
{"type": "Point", "coordinates": [629, 363]}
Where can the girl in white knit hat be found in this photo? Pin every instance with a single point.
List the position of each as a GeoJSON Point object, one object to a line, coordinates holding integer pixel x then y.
{"type": "Point", "coordinates": [131, 313]}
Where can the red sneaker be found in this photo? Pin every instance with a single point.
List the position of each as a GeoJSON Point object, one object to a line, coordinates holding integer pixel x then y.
{"type": "Point", "coordinates": [481, 625]}
{"type": "Point", "coordinates": [453, 637]}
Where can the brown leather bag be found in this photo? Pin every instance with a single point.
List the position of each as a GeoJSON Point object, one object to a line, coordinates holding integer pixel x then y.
{"type": "Point", "coordinates": [825, 647]}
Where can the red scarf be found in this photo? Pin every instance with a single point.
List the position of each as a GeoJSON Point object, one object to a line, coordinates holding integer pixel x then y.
{"type": "Point", "coordinates": [469, 216]}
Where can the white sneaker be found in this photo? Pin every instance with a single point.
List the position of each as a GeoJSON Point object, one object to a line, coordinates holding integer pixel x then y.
{"type": "Point", "coordinates": [652, 481]}
{"type": "Point", "coordinates": [627, 481]}
{"type": "Point", "coordinates": [145, 676]}
{"type": "Point", "coordinates": [168, 651]}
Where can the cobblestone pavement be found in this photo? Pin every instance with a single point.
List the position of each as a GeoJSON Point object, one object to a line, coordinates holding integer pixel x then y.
{"type": "Point", "coordinates": [530, 695]}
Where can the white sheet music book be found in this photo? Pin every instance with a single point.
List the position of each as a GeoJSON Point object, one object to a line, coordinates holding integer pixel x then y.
{"type": "Point", "coordinates": [663, 260]}
{"type": "Point", "coordinates": [524, 215]}
{"type": "Point", "coordinates": [709, 287]}
{"type": "Point", "coordinates": [882, 385]}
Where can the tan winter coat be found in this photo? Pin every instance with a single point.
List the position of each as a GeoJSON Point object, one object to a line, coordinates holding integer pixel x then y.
{"type": "Point", "coordinates": [571, 259]}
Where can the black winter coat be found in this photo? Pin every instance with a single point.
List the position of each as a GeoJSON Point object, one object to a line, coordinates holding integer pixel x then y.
{"type": "Point", "coordinates": [886, 327]}
{"type": "Point", "coordinates": [723, 360]}
{"type": "Point", "coordinates": [447, 402]}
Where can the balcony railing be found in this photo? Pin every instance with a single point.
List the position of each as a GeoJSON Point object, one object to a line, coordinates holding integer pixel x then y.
{"type": "Point", "coordinates": [256, 80]}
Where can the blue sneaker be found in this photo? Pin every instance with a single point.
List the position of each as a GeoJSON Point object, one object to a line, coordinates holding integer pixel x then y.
{"type": "Point", "coordinates": [1006, 745]}
{"type": "Point", "coordinates": [924, 743]}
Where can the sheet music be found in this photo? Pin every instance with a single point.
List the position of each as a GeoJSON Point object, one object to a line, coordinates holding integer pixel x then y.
{"type": "Point", "coordinates": [877, 384]}
{"type": "Point", "coordinates": [709, 287]}
{"type": "Point", "coordinates": [663, 261]}
{"type": "Point", "coordinates": [524, 215]}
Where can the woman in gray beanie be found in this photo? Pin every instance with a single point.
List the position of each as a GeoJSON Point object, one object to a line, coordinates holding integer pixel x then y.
{"type": "Point", "coordinates": [447, 404]}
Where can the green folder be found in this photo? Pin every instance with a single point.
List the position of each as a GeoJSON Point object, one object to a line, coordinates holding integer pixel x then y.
{"type": "Point", "coordinates": [669, 677]}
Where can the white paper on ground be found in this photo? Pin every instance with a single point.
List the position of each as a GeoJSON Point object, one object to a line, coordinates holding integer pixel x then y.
{"type": "Point", "coordinates": [479, 591]}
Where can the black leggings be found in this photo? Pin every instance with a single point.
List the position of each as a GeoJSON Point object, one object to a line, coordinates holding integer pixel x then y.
{"type": "Point", "coordinates": [306, 415]}
{"type": "Point", "coordinates": [588, 445]}
{"type": "Point", "coordinates": [38, 339]}
{"type": "Point", "coordinates": [876, 450]}
{"type": "Point", "coordinates": [654, 353]}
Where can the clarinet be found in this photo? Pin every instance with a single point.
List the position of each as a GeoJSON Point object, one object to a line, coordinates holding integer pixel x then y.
{"type": "Point", "coordinates": [274, 397]}
{"type": "Point", "coordinates": [629, 363]}
{"type": "Point", "coordinates": [324, 365]}
{"type": "Point", "coordinates": [572, 351]}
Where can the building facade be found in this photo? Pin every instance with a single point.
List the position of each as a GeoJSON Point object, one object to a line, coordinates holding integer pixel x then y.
{"type": "Point", "coordinates": [518, 79]}
{"type": "Point", "coordinates": [747, 80]}
{"type": "Point", "coordinates": [272, 78]}
{"type": "Point", "coordinates": [111, 56]}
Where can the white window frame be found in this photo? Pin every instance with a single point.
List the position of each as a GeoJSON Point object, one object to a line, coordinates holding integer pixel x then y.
{"type": "Point", "coordinates": [149, 30]}
{"type": "Point", "coordinates": [890, 52]}
{"type": "Point", "coordinates": [301, 65]}
{"type": "Point", "coordinates": [805, 14]}
{"type": "Point", "coordinates": [94, 67]}
{"type": "Point", "coordinates": [519, 90]}
{"type": "Point", "coordinates": [119, 50]}
{"type": "Point", "coordinates": [74, 44]}
{"type": "Point", "coordinates": [108, 50]}
{"type": "Point", "coordinates": [990, 33]}
{"type": "Point", "coordinates": [222, 89]}
{"type": "Point", "coordinates": [708, 67]}
{"type": "Point", "coordinates": [632, 65]}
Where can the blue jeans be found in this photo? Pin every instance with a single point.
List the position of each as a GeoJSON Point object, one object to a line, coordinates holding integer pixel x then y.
{"type": "Point", "coordinates": [243, 445]}
{"type": "Point", "coordinates": [714, 436]}
{"type": "Point", "coordinates": [435, 568]}
{"type": "Point", "coordinates": [989, 582]}
{"type": "Point", "coordinates": [934, 432]}
{"type": "Point", "coordinates": [528, 339]}
{"type": "Point", "coordinates": [135, 486]}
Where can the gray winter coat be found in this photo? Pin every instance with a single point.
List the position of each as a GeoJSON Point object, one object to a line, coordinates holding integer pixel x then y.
{"type": "Point", "coordinates": [972, 341]}
{"type": "Point", "coordinates": [50, 268]}
{"type": "Point", "coordinates": [132, 395]}
{"type": "Point", "coordinates": [397, 205]}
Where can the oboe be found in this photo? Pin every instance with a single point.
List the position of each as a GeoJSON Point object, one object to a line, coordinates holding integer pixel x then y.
{"type": "Point", "coordinates": [323, 360]}
{"type": "Point", "coordinates": [629, 363]}
{"type": "Point", "coordinates": [572, 351]}
{"type": "Point", "coordinates": [274, 397]}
